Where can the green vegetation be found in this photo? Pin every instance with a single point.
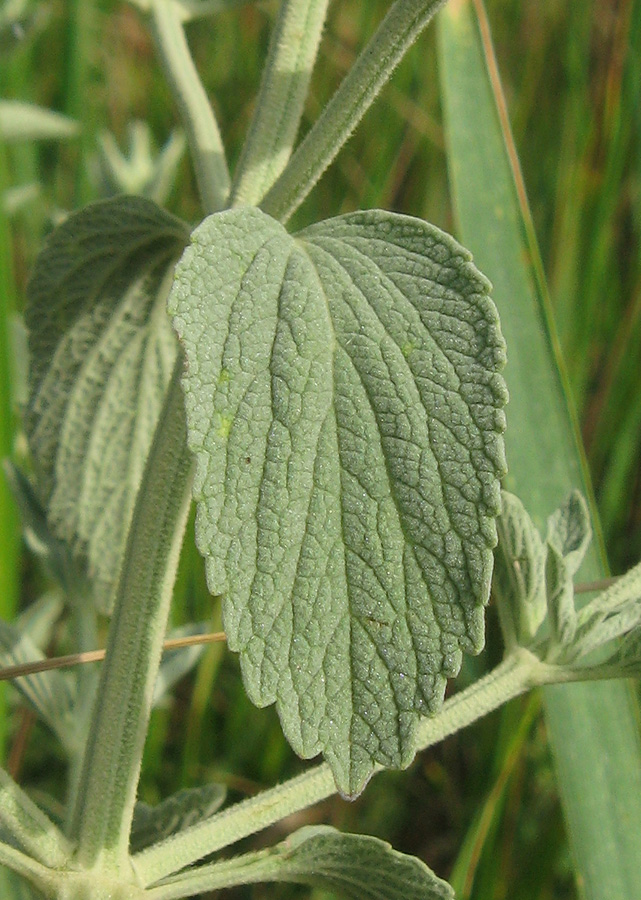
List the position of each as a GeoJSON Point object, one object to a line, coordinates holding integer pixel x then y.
{"type": "Point", "coordinates": [482, 808]}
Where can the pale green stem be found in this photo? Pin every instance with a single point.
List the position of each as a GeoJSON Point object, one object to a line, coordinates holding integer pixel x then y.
{"type": "Point", "coordinates": [86, 629]}
{"type": "Point", "coordinates": [27, 867]}
{"type": "Point", "coordinates": [106, 793]}
{"type": "Point", "coordinates": [373, 68]}
{"type": "Point", "coordinates": [519, 672]}
{"type": "Point", "coordinates": [279, 108]}
{"type": "Point", "coordinates": [195, 109]}
{"type": "Point", "coordinates": [30, 827]}
{"type": "Point", "coordinates": [251, 868]}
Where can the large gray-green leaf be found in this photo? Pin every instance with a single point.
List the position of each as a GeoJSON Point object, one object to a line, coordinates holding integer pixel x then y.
{"type": "Point", "coordinates": [102, 352]}
{"type": "Point", "coordinates": [355, 866]}
{"type": "Point", "coordinates": [345, 406]}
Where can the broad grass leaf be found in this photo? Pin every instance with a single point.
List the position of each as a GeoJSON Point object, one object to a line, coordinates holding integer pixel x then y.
{"type": "Point", "coordinates": [354, 866]}
{"type": "Point", "coordinates": [345, 406]}
{"type": "Point", "coordinates": [102, 351]}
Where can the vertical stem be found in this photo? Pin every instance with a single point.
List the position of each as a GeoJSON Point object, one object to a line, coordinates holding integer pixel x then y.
{"type": "Point", "coordinates": [106, 793]}
{"type": "Point", "coordinates": [81, 45]}
{"type": "Point", "coordinates": [373, 68]}
{"type": "Point", "coordinates": [279, 108]}
{"type": "Point", "coordinates": [197, 114]}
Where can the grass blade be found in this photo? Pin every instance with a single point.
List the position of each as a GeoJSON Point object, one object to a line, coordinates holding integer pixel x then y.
{"type": "Point", "coordinates": [599, 774]}
{"type": "Point", "coordinates": [10, 541]}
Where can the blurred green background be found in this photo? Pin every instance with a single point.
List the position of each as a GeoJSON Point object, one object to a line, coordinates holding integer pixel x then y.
{"type": "Point", "coordinates": [482, 807]}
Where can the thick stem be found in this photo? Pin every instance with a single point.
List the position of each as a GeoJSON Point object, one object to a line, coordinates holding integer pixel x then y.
{"type": "Point", "coordinates": [106, 792]}
{"type": "Point", "coordinates": [291, 57]}
{"type": "Point", "coordinates": [196, 112]}
{"type": "Point", "coordinates": [395, 35]}
{"type": "Point", "coordinates": [520, 671]}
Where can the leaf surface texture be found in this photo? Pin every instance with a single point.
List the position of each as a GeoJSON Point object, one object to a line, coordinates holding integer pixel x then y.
{"type": "Point", "coordinates": [345, 406]}
{"type": "Point", "coordinates": [356, 866]}
{"type": "Point", "coordinates": [102, 351]}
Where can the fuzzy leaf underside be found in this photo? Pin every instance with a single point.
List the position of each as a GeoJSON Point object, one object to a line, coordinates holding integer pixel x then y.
{"type": "Point", "coordinates": [51, 694]}
{"type": "Point", "coordinates": [183, 809]}
{"type": "Point", "coordinates": [358, 867]}
{"type": "Point", "coordinates": [345, 406]}
{"type": "Point", "coordinates": [519, 573]}
{"type": "Point", "coordinates": [102, 351]}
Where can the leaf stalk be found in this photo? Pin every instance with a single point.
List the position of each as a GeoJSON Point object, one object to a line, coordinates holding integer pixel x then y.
{"type": "Point", "coordinates": [371, 71]}
{"type": "Point", "coordinates": [203, 135]}
{"type": "Point", "coordinates": [106, 793]}
{"type": "Point", "coordinates": [516, 674]}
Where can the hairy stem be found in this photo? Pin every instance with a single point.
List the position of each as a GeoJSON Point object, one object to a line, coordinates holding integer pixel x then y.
{"type": "Point", "coordinates": [196, 112]}
{"type": "Point", "coordinates": [251, 868]}
{"type": "Point", "coordinates": [29, 826]}
{"type": "Point", "coordinates": [106, 792]}
{"type": "Point", "coordinates": [27, 867]}
{"type": "Point", "coordinates": [292, 53]}
{"type": "Point", "coordinates": [395, 35]}
{"type": "Point", "coordinates": [518, 672]}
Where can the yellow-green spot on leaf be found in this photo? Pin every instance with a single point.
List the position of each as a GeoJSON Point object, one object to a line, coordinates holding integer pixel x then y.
{"type": "Point", "coordinates": [408, 348]}
{"type": "Point", "coordinates": [223, 425]}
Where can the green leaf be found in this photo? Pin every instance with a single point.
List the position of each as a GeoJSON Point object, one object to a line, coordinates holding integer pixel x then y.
{"type": "Point", "coordinates": [51, 694]}
{"type": "Point", "coordinates": [27, 122]}
{"type": "Point", "coordinates": [102, 351]}
{"type": "Point", "coordinates": [614, 613]}
{"type": "Point", "coordinates": [568, 538]}
{"type": "Point", "coordinates": [560, 597]}
{"type": "Point", "coordinates": [28, 827]}
{"type": "Point", "coordinates": [144, 170]}
{"type": "Point", "coordinates": [35, 527]}
{"type": "Point", "coordinates": [356, 866]}
{"type": "Point", "coordinates": [345, 406]}
{"type": "Point", "coordinates": [519, 574]}
{"type": "Point", "coordinates": [39, 618]}
{"type": "Point", "coordinates": [176, 663]}
{"type": "Point", "coordinates": [569, 530]}
{"type": "Point", "coordinates": [188, 807]}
